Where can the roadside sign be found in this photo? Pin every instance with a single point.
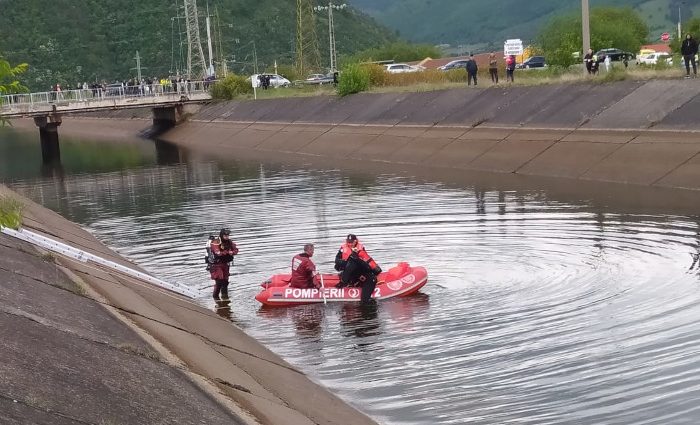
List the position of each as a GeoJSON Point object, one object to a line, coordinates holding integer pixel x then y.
{"type": "Point", "coordinates": [665, 36]}
{"type": "Point", "coordinates": [513, 47]}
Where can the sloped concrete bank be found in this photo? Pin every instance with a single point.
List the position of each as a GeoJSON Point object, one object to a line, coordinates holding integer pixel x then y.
{"type": "Point", "coordinates": [643, 133]}
{"type": "Point", "coordinates": [86, 345]}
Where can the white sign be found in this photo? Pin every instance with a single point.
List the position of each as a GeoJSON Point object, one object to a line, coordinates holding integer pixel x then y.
{"type": "Point", "coordinates": [513, 47]}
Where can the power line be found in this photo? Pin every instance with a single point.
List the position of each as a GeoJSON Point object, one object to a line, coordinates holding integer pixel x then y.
{"type": "Point", "coordinates": [196, 64]}
{"type": "Point", "coordinates": [308, 57]}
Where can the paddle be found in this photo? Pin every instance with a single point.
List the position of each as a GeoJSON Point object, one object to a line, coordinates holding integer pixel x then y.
{"type": "Point", "coordinates": [323, 290]}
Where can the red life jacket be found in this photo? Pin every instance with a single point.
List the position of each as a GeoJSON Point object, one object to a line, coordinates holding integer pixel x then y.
{"type": "Point", "coordinates": [346, 250]}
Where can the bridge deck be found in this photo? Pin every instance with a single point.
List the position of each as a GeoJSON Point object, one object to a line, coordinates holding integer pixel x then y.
{"type": "Point", "coordinates": [27, 105]}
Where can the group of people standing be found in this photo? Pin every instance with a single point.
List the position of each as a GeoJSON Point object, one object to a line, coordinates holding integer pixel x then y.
{"type": "Point", "coordinates": [355, 266]}
{"type": "Point", "coordinates": [473, 69]}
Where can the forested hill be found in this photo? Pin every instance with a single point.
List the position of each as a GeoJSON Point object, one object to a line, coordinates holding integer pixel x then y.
{"type": "Point", "coordinates": [492, 21]}
{"type": "Point", "coordinates": [71, 41]}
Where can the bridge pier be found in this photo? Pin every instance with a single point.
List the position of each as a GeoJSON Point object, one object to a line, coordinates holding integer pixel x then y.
{"type": "Point", "coordinates": [166, 117]}
{"type": "Point", "coordinates": [48, 133]}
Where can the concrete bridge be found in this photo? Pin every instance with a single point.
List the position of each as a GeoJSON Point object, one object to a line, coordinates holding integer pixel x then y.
{"type": "Point", "coordinates": [48, 108]}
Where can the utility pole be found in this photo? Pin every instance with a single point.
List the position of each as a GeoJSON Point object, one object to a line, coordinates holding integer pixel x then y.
{"type": "Point", "coordinates": [219, 49]}
{"type": "Point", "coordinates": [586, 30]}
{"type": "Point", "coordinates": [138, 67]}
{"type": "Point", "coordinates": [210, 69]}
{"type": "Point", "coordinates": [331, 32]}
{"type": "Point", "coordinates": [196, 65]}
{"type": "Point", "coordinates": [680, 35]}
{"type": "Point", "coordinates": [307, 54]}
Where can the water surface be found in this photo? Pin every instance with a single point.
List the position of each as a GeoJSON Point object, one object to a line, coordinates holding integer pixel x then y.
{"type": "Point", "coordinates": [537, 311]}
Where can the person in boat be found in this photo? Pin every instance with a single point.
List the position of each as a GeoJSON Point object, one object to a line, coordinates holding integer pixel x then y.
{"type": "Point", "coordinates": [304, 269]}
{"type": "Point", "coordinates": [222, 251]}
{"type": "Point", "coordinates": [357, 267]}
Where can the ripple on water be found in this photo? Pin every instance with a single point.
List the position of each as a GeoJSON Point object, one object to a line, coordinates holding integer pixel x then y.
{"type": "Point", "coordinates": [536, 311]}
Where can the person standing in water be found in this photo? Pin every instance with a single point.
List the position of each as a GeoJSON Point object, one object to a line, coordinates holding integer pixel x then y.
{"type": "Point", "coordinates": [222, 250]}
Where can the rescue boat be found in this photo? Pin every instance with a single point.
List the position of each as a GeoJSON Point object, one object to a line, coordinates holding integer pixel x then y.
{"type": "Point", "coordinates": [399, 281]}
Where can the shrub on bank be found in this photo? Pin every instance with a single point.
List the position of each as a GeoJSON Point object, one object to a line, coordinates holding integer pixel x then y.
{"type": "Point", "coordinates": [10, 212]}
{"type": "Point", "coordinates": [615, 74]}
{"type": "Point", "coordinates": [355, 78]}
{"type": "Point", "coordinates": [231, 87]}
{"type": "Point", "coordinates": [361, 77]}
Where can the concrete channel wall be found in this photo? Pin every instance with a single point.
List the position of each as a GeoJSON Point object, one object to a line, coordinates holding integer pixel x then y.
{"type": "Point", "coordinates": [644, 133]}
{"type": "Point", "coordinates": [84, 344]}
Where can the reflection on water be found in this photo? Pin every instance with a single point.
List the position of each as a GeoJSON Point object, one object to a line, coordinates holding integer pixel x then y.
{"type": "Point", "coordinates": [536, 311]}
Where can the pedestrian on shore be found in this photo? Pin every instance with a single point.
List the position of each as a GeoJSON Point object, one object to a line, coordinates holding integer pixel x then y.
{"type": "Point", "coordinates": [689, 48]}
{"type": "Point", "coordinates": [596, 65]}
{"type": "Point", "coordinates": [472, 69]}
{"type": "Point", "coordinates": [510, 68]}
{"type": "Point", "coordinates": [493, 68]}
{"type": "Point", "coordinates": [608, 63]}
{"type": "Point", "coordinates": [588, 61]}
{"type": "Point", "coordinates": [220, 255]}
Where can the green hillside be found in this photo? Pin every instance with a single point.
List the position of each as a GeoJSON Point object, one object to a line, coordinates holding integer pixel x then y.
{"type": "Point", "coordinates": [72, 41]}
{"type": "Point", "coordinates": [480, 22]}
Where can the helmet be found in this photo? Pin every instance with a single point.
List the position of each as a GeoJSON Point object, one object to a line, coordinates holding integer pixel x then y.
{"type": "Point", "coordinates": [351, 238]}
{"type": "Point", "coordinates": [224, 231]}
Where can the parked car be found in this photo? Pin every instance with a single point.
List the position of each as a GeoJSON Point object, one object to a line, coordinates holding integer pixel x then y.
{"type": "Point", "coordinates": [400, 68]}
{"type": "Point", "coordinates": [533, 62]}
{"type": "Point", "coordinates": [455, 64]}
{"type": "Point", "coordinates": [319, 79]}
{"type": "Point", "coordinates": [615, 54]}
{"type": "Point", "coordinates": [275, 80]}
{"type": "Point", "coordinates": [654, 58]}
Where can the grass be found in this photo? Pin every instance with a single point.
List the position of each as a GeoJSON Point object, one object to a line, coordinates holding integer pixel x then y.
{"type": "Point", "coordinates": [138, 351]}
{"type": "Point", "coordinates": [10, 212]}
{"type": "Point", "coordinates": [432, 80]}
{"type": "Point", "coordinates": [48, 257]}
{"type": "Point", "coordinates": [535, 77]}
{"type": "Point", "coordinates": [293, 91]}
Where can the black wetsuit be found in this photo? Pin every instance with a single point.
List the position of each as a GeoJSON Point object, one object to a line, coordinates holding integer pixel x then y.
{"type": "Point", "coordinates": [358, 273]}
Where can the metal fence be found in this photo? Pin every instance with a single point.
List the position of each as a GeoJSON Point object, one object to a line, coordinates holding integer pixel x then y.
{"type": "Point", "coordinates": [113, 93]}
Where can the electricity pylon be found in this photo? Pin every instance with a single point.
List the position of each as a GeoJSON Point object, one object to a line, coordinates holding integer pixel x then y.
{"type": "Point", "coordinates": [308, 57]}
{"type": "Point", "coordinates": [196, 64]}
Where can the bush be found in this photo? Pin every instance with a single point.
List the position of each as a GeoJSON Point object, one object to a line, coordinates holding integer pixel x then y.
{"type": "Point", "coordinates": [231, 87]}
{"type": "Point", "coordinates": [355, 78]}
{"type": "Point", "coordinates": [287, 71]}
{"type": "Point", "coordinates": [377, 75]}
{"type": "Point", "coordinates": [617, 73]}
{"type": "Point", "coordinates": [10, 213]}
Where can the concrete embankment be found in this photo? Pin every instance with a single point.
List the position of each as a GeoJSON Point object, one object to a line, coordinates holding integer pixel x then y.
{"type": "Point", "coordinates": [86, 345]}
{"type": "Point", "coordinates": [643, 133]}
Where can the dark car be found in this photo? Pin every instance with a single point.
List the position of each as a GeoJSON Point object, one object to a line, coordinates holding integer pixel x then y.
{"type": "Point", "coordinates": [533, 62]}
{"type": "Point", "coordinates": [614, 54]}
{"type": "Point", "coordinates": [320, 79]}
{"type": "Point", "coordinates": [455, 64]}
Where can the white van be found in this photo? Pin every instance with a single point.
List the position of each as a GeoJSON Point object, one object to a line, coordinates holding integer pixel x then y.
{"type": "Point", "coordinates": [275, 80]}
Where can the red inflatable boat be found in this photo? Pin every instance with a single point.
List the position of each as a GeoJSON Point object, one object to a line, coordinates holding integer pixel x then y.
{"type": "Point", "coordinates": [399, 281]}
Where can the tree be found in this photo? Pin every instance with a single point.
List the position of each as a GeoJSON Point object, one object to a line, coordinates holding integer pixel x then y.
{"type": "Point", "coordinates": [621, 28]}
{"type": "Point", "coordinates": [8, 82]}
{"type": "Point", "coordinates": [691, 27]}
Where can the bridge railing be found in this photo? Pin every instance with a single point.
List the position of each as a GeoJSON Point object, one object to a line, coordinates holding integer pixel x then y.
{"type": "Point", "coordinates": [111, 94]}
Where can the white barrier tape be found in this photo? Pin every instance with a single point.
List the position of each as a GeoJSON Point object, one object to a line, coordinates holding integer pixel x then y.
{"type": "Point", "coordinates": [80, 255]}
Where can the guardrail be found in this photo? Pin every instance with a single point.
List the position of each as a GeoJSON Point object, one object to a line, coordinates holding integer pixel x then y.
{"type": "Point", "coordinates": [84, 256]}
{"type": "Point", "coordinates": [111, 95]}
